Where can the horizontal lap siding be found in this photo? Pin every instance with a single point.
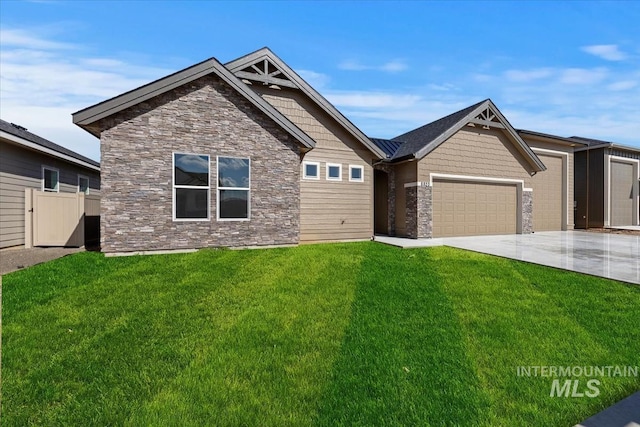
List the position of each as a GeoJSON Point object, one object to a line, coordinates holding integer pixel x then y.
{"type": "Point", "coordinates": [476, 152]}
{"type": "Point", "coordinates": [329, 210]}
{"type": "Point", "coordinates": [20, 169]}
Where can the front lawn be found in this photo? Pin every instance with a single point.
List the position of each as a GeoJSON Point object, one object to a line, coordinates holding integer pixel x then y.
{"type": "Point", "coordinates": [335, 334]}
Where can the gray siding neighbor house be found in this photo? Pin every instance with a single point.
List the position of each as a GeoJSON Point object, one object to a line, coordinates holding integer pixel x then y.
{"type": "Point", "coordinates": [607, 184]}
{"type": "Point", "coordinates": [30, 161]}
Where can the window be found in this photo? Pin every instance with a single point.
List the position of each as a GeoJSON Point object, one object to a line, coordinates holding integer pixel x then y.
{"type": "Point", "coordinates": [83, 184]}
{"type": "Point", "coordinates": [50, 179]}
{"type": "Point", "coordinates": [334, 172]}
{"type": "Point", "coordinates": [190, 187]}
{"type": "Point", "coordinates": [356, 173]}
{"type": "Point", "coordinates": [311, 170]}
{"type": "Point", "coordinates": [233, 188]}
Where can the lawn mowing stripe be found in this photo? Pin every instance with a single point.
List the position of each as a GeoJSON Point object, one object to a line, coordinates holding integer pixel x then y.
{"type": "Point", "coordinates": [510, 310]}
{"type": "Point", "coordinates": [266, 365]}
{"type": "Point", "coordinates": [401, 361]}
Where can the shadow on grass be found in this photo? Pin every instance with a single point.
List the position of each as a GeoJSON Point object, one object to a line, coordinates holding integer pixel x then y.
{"type": "Point", "coordinates": [402, 361]}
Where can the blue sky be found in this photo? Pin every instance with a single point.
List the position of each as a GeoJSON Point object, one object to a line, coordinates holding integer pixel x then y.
{"type": "Point", "coordinates": [566, 68]}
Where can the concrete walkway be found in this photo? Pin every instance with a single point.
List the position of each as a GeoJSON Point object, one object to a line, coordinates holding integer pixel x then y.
{"type": "Point", "coordinates": [613, 256]}
{"type": "Point", "coordinates": [13, 259]}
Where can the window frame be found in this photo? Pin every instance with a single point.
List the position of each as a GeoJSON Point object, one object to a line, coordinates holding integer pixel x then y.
{"type": "Point", "coordinates": [193, 187]}
{"type": "Point", "coordinates": [88, 184]}
{"type": "Point", "coordinates": [329, 166]}
{"type": "Point", "coordinates": [219, 188]}
{"type": "Point", "coordinates": [304, 170]}
{"type": "Point", "coordinates": [351, 168]}
{"type": "Point", "coordinates": [52, 169]}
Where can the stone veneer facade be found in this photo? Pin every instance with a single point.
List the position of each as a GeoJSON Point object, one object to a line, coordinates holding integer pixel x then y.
{"type": "Point", "coordinates": [419, 217]}
{"type": "Point", "coordinates": [527, 212]}
{"type": "Point", "coordinates": [205, 117]}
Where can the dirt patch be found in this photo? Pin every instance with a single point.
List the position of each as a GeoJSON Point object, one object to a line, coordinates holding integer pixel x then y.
{"type": "Point", "coordinates": [613, 231]}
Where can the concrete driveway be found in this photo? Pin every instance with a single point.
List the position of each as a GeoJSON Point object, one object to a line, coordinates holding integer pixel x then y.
{"type": "Point", "coordinates": [614, 256]}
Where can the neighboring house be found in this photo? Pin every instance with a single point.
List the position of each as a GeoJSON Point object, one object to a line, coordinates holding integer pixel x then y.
{"type": "Point", "coordinates": [607, 184]}
{"type": "Point", "coordinates": [240, 154]}
{"type": "Point", "coordinates": [30, 161]}
{"type": "Point", "coordinates": [553, 190]}
{"type": "Point", "coordinates": [469, 173]}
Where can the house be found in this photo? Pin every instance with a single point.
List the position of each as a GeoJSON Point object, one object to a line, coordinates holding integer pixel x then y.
{"type": "Point", "coordinates": [472, 173]}
{"type": "Point", "coordinates": [30, 161]}
{"type": "Point", "coordinates": [607, 184]}
{"type": "Point", "coordinates": [247, 153]}
{"type": "Point", "coordinates": [241, 154]}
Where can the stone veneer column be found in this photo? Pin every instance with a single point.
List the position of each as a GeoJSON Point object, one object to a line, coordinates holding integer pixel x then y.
{"type": "Point", "coordinates": [527, 212]}
{"type": "Point", "coordinates": [419, 211]}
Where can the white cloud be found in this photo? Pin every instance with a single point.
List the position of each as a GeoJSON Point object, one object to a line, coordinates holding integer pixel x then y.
{"type": "Point", "coordinates": [371, 100]}
{"type": "Point", "coordinates": [44, 81]}
{"type": "Point", "coordinates": [394, 66]}
{"type": "Point", "coordinates": [26, 39]}
{"type": "Point", "coordinates": [193, 163]}
{"type": "Point", "coordinates": [610, 52]}
{"type": "Point", "coordinates": [528, 75]}
{"type": "Point", "coordinates": [315, 79]}
{"type": "Point", "coordinates": [622, 85]}
{"type": "Point", "coordinates": [582, 76]}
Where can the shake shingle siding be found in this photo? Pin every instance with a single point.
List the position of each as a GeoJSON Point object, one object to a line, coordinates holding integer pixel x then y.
{"type": "Point", "coordinates": [205, 117]}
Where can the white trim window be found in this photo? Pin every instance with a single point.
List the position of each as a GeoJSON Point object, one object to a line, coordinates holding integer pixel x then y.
{"type": "Point", "coordinates": [191, 187]}
{"type": "Point", "coordinates": [50, 179]}
{"type": "Point", "coordinates": [83, 184]}
{"type": "Point", "coordinates": [311, 170]}
{"type": "Point", "coordinates": [356, 173]}
{"type": "Point", "coordinates": [234, 188]}
{"type": "Point", "coordinates": [334, 172]}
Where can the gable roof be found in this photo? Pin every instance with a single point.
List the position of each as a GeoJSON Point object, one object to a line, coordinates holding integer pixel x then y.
{"type": "Point", "coordinates": [86, 117]}
{"type": "Point", "coordinates": [423, 140]}
{"type": "Point", "coordinates": [22, 136]}
{"type": "Point", "coordinates": [273, 70]}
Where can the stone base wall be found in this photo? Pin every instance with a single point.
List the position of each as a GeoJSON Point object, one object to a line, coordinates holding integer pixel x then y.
{"type": "Point", "coordinates": [527, 212]}
{"type": "Point", "coordinates": [419, 214]}
{"type": "Point", "coordinates": [203, 117]}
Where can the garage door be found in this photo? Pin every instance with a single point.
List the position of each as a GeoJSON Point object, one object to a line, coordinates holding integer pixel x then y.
{"type": "Point", "coordinates": [622, 203]}
{"type": "Point", "coordinates": [547, 195]}
{"type": "Point", "coordinates": [471, 209]}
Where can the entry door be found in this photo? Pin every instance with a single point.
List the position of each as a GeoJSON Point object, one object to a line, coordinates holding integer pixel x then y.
{"type": "Point", "coordinates": [381, 202]}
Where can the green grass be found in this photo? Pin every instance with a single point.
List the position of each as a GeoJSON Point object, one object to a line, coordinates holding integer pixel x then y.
{"type": "Point", "coordinates": [344, 334]}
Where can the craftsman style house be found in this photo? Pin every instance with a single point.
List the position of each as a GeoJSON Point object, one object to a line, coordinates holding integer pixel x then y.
{"type": "Point", "coordinates": [248, 153]}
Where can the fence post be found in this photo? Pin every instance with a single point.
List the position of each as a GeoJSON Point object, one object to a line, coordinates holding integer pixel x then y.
{"type": "Point", "coordinates": [28, 218]}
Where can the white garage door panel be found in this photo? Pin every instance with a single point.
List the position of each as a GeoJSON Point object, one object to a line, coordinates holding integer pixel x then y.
{"type": "Point", "coordinates": [547, 195]}
{"type": "Point", "coordinates": [470, 208]}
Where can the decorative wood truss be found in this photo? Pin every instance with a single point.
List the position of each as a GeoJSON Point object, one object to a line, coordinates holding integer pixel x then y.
{"type": "Point", "coordinates": [265, 72]}
{"type": "Point", "coordinates": [487, 119]}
